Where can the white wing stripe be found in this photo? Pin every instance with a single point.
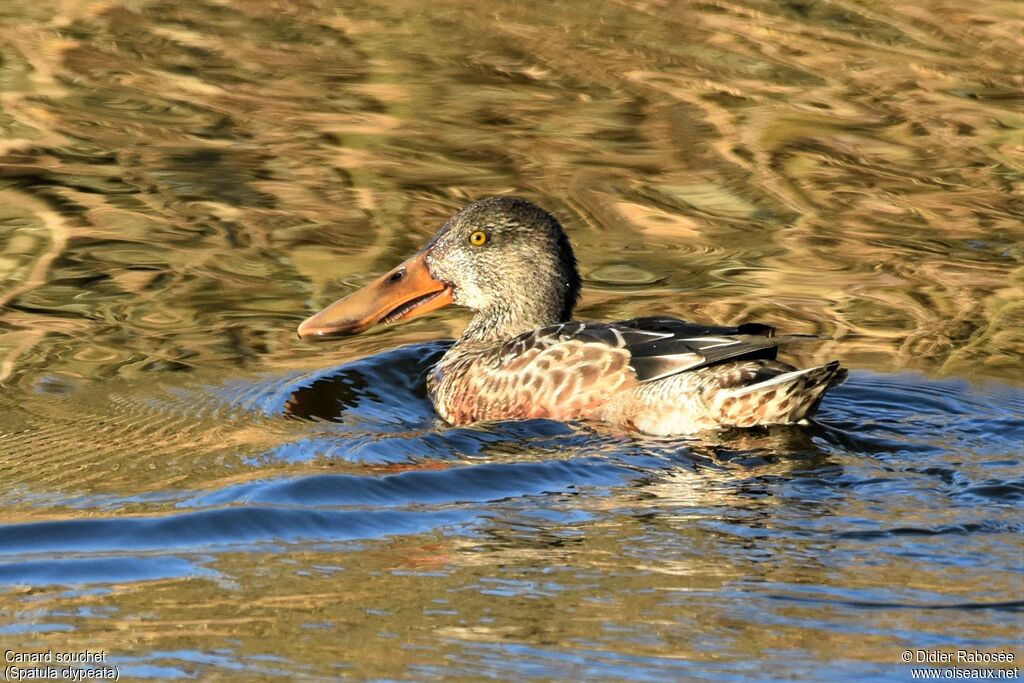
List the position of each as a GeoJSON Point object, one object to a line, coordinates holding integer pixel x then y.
{"type": "Point", "coordinates": [774, 381]}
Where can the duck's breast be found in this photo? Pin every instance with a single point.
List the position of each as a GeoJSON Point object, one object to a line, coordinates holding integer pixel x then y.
{"type": "Point", "coordinates": [562, 381]}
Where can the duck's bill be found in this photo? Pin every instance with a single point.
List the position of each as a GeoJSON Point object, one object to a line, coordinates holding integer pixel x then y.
{"type": "Point", "coordinates": [405, 292]}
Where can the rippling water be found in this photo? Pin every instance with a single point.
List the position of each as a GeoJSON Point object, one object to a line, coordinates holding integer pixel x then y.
{"type": "Point", "coordinates": [189, 487]}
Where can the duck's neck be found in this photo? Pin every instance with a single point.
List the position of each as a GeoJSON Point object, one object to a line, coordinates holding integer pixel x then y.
{"type": "Point", "coordinates": [504, 322]}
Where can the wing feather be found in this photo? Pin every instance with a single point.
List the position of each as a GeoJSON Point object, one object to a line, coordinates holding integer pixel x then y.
{"type": "Point", "coordinates": [661, 347]}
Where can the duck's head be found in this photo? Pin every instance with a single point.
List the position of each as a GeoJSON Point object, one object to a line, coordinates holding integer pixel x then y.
{"type": "Point", "coordinates": [503, 257]}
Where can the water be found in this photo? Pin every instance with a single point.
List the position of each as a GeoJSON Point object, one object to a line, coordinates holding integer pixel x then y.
{"type": "Point", "coordinates": [189, 487]}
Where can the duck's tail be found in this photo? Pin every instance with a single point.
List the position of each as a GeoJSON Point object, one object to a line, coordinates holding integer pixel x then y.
{"type": "Point", "coordinates": [784, 398]}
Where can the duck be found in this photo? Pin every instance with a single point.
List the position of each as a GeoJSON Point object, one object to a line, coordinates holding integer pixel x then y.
{"type": "Point", "coordinates": [523, 355]}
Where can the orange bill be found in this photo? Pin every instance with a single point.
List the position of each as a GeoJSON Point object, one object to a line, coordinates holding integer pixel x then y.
{"type": "Point", "coordinates": [404, 292]}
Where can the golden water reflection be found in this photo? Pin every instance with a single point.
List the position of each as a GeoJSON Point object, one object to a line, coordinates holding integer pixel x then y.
{"type": "Point", "coordinates": [846, 168]}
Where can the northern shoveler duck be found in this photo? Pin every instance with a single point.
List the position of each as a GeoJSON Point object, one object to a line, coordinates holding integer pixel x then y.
{"type": "Point", "coordinates": [523, 356]}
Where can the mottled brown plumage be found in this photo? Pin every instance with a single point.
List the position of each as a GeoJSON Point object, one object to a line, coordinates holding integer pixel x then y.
{"type": "Point", "coordinates": [522, 356]}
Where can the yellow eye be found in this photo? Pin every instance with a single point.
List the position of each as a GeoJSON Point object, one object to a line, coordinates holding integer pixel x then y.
{"type": "Point", "coordinates": [478, 238]}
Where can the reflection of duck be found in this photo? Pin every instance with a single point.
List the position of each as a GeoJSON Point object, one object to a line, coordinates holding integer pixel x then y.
{"type": "Point", "coordinates": [523, 356]}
